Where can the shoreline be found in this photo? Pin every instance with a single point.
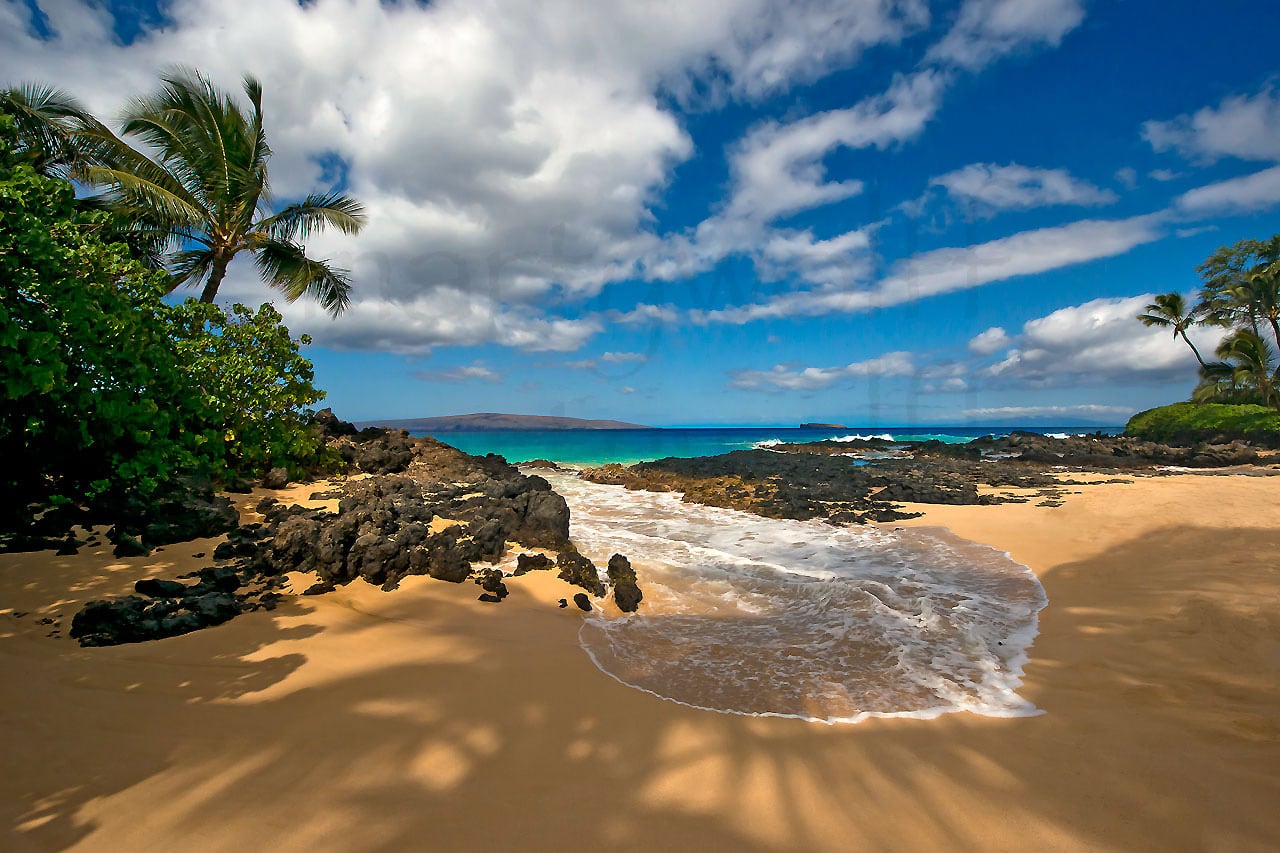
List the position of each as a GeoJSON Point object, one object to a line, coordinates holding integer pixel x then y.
{"type": "Point", "coordinates": [371, 720]}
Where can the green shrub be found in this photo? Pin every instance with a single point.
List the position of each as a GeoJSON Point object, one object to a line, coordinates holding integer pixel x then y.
{"type": "Point", "coordinates": [89, 369]}
{"type": "Point", "coordinates": [111, 394]}
{"type": "Point", "coordinates": [1186, 423]}
{"type": "Point", "coordinates": [252, 384]}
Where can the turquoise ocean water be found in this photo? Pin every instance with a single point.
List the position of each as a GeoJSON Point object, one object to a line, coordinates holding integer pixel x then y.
{"type": "Point", "coordinates": [597, 447]}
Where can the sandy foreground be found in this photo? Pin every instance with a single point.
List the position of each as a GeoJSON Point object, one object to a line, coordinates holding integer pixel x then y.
{"type": "Point", "coordinates": [423, 719]}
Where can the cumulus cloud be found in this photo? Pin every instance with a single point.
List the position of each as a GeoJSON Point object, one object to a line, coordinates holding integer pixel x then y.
{"type": "Point", "coordinates": [1097, 343]}
{"type": "Point", "coordinates": [506, 151]}
{"type": "Point", "coordinates": [1245, 194]}
{"type": "Point", "coordinates": [991, 341]}
{"type": "Point", "coordinates": [784, 378]}
{"type": "Point", "coordinates": [470, 373]}
{"type": "Point", "coordinates": [951, 269]}
{"type": "Point", "coordinates": [986, 30]}
{"type": "Point", "coordinates": [987, 188]}
{"type": "Point", "coordinates": [624, 358]}
{"type": "Point", "coordinates": [1247, 127]}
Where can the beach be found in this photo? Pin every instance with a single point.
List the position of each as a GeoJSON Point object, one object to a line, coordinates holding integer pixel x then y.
{"type": "Point", "coordinates": [424, 719]}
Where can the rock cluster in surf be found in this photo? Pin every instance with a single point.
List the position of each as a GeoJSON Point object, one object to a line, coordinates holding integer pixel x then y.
{"type": "Point", "coordinates": [820, 480]}
{"type": "Point", "coordinates": [415, 506]}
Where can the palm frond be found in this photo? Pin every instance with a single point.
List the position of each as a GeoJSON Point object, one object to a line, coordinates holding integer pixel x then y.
{"type": "Point", "coordinates": [286, 267]}
{"type": "Point", "coordinates": [314, 213]}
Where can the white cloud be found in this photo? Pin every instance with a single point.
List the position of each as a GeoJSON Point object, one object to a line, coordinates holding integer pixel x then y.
{"type": "Point", "coordinates": [948, 270]}
{"type": "Point", "coordinates": [505, 150]}
{"type": "Point", "coordinates": [1098, 342]}
{"type": "Point", "coordinates": [990, 341]}
{"type": "Point", "coordinates": [1240, 126]}
{"type": "Point", "coordinates": [624, 357]}
{"type": "Point", "coordinates": [1245, 194]}
{"type": "Point", "coordinates": [1164, 175]}
{"type": "Point", "coordinates": [986, 30]}
{"type": "Point", "coordinates": [988, 188]}
{"type": "Point", "coordinates": [784, 378]}
{"type": "Point", "coordinates": [1127, 176]}
{"type": "Point", "coordinates": [471, 373]}
{"type": "Point", "coordinates": [1042, 412]}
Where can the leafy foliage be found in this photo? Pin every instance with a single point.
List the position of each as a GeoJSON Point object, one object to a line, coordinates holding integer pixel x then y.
{"type": "Point", "coordinates": [1241, 292]}
{"type": "Point", "coordinates": [90, 371]}
{"type": "Point", "coordinates": [110, 392]}
{"type": "Point", "coordinates": [252, 383]}
{"type": "Point", "coordinates": [1191, 422]}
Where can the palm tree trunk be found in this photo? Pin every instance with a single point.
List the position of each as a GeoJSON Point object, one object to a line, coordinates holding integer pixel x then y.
{"type": "Point", "coordinates": [1193, 349]}
{"type": "Point", "coordinates": [215, 278]}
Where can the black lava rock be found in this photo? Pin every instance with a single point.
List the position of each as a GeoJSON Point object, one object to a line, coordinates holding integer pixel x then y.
{"type": "Point", "coordinates": [626, 594]}
{"type": "Point", "coordinates": [579, 571]}
{"type": "Point", "coordinates": [584, 603]}
{"type": "Point", "coordinates": [156, 588]}
{"type": "Point", "coordinates": [526, 563]}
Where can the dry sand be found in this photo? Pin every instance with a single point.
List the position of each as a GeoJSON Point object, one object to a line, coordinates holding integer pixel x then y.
{"type": "Point", "coordinates": [423, 719]}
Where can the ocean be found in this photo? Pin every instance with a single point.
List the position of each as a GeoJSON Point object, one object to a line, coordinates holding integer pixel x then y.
{"type": "Point", "coordinates": [768, 617]}
{"type": "Point", "coordinates": [627, 446]}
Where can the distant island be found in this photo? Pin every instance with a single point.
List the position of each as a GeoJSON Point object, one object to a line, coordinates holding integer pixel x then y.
{"type": "Point", "coordinates": [495, 422]}
{"type": "Point", "coordinates": [823, 426]}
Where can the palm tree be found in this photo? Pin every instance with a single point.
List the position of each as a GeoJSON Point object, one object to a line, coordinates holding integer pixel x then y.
{"type": "Point", "coordinates": [49, 125]}
{"type": "Point", "coordinates": [204, 195]}
{"type": "Point", "coordinates": [1246, 372]}
{"type": "Point", "coordinates": [1169, 311]}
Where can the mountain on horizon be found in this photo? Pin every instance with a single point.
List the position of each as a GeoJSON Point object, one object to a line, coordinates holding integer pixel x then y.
{"type": "Point", "coordinates": [498, 422]}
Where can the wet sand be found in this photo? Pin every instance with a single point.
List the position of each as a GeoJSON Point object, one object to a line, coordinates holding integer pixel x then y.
{"type": "Point", "coordinates": [424, 719]}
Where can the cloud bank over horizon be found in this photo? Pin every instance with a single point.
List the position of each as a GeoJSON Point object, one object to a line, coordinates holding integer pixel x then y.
{"type": "Point", "coordinates": [561, 178]}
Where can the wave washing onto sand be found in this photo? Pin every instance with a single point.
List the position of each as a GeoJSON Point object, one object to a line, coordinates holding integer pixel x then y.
{"type": "Point", "coordinates": [757, 616]}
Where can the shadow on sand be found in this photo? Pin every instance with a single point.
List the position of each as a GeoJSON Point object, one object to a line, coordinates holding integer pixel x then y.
{"type": "Point", "coordinates": [1160, 732]}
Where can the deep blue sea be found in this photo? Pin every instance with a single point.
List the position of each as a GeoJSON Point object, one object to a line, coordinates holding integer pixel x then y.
{"type": "Point", "coordinates": [597, 447]}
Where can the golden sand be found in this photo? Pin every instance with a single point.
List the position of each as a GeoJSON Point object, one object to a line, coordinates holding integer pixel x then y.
{"type": "Point", "coordinates": [424, 719]}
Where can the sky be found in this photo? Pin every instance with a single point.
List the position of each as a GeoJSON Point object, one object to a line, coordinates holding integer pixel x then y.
{"type": "Point", "coordinates": [733, 212]}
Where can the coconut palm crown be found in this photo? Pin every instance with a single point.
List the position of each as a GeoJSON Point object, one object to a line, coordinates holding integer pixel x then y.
{"type": "Point", "coordinates": [1169, 311]}
{"type": "Point", "coordinates": [204, 195]}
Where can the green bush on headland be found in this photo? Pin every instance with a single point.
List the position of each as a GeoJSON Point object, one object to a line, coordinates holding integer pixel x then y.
{"type": "Point", "coordinates": [1189, 423]}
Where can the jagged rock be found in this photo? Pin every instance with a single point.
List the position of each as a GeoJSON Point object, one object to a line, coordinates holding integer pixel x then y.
{"type": "Point", "coordinates": [579, 571]}
{"type": "Point", "coordinates": [319, 588]}
{"type": "Point", "coordinates": [276, 478]}
{"type": "Point", "coordinates": [127, 545]}
{"type": "Point", "coordinates": [563, 604]}
{"type": "Point", "coordinates": [389, 453]}
{"type": "Point", "coordinates": [490, 580]}
{"type": "Point", "coordinates": [220, 579]}
{"type": "Point", "coordinates": [540, 463]}
{"type": "Point", "coordinates": [133, 619]}
{"type": "Point", "coordinates": [584, 603]}
{"type": "Point", "coordinates": [492, 598]}
{"type": "Point", "coordinates": [626, 593]}
{"type": "Point", "coordinates": [157, 588]}
{"type": "Point", "coordinates": [267, 504]}
{"type": "Point", "coordinates": [329, 424]}
{"type": "Point", "coordinates": [213, 607]}
{"type": "Point", "coordinates": [69, 547]}
{"type": "Point", "coordinates": [526, 563]}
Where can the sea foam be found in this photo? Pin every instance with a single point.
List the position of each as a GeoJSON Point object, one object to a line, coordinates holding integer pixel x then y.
{"type": "Point", "coordinates": [758, 616]}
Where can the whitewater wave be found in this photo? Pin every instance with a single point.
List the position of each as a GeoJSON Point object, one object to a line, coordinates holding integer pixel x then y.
{"type": "Point", "coordinates": [757, 616]}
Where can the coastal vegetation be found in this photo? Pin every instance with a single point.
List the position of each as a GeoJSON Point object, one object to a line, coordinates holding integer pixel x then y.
{"type": "Point", "coordinates": [115, 394]}
{"type": "Point", "coordinates": [1238, 394]}
{"type": "Point", "coordinates": [1181, 423]}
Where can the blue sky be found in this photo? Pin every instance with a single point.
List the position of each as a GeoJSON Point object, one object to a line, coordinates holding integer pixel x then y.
{"type": "Point", "coordinates": [735, 212]}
